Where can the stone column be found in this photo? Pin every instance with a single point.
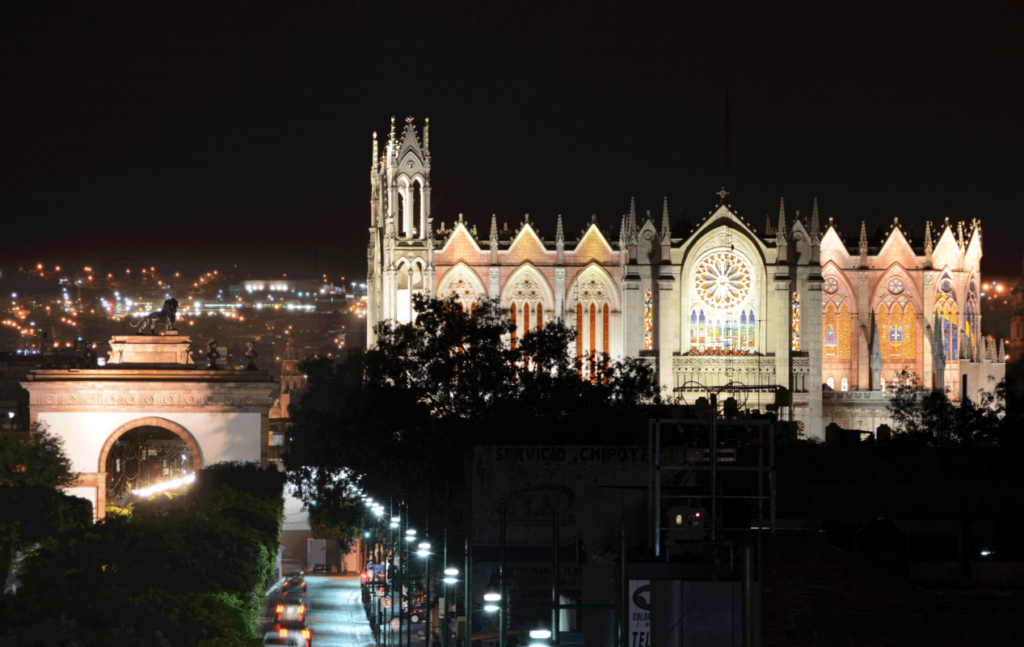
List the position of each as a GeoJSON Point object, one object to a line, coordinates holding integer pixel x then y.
{"type": "Point", "coordinates": [633, 315]}
{"type": "Point", "coordinates": [863, 323]}
{"type": "Point", "coordinates": [494, 286]}
{"type": "Point", "coordinates": [560, 293]}
{"type": "Point", "coordinates": [782, 323]}
{"type": "Point", "coordinates": [666, 332]}
{"type": "Point", "coordinates": [928, 299]}
{"type": "Point", "coordinates": [810, 341]}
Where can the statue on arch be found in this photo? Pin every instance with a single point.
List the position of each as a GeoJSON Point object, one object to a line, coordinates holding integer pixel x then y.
{"type": "Point", "coordinates": [165, 315]}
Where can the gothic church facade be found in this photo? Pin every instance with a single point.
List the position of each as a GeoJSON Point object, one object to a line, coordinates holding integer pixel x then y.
{"type": "Point", "coordinates": [836, 321]}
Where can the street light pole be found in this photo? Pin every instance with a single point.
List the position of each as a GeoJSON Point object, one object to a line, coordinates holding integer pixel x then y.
{"type": "Point", "coordinates": [501, 582]}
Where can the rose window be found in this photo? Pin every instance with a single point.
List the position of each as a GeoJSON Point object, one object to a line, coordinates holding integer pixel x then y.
{"type": "Point", "coordinates": [831, 285]}
{"type": "Point", "coordinates": [722, 280]}
{"type": "Point", "coordinates": [895, 286]}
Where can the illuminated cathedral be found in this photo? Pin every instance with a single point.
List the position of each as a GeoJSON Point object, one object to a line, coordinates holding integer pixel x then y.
{"type": "Point", "coordinates": [838, 321]}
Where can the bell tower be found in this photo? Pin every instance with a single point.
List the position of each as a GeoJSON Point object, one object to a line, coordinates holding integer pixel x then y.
{"type": "Point", "coordinates": [399, 219]}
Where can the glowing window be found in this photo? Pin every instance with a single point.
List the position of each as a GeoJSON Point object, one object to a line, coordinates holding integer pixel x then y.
{"type": "Point", "coordinates": [795, 322]}
{"type": "Point", "coordinates": [649, 321]}
{"type": "Point", "coordinates": [895, 286]}
{"type": "Point", "coordinates": [723, 280]}
{"type": "Point", "coordinates": [723, 323]}
{"type": "Point", "coordinates": [844, 384]}
{"type": "Point", "coordinates": [831, 285]}
{"type": "Point", "coordinates": [945, 307]}
{"type": "Point", "coordinates": [831, 382]}
{"type": "Point", "coordinates": [897, 326]}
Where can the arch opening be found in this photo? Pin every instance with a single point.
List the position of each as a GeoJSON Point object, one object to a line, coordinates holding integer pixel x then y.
{"type": "Point", "coordinates": [143, 454]}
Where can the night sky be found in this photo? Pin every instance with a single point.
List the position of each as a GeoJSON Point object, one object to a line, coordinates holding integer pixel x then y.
{"type": "Point", "coordinates": [215, 133]}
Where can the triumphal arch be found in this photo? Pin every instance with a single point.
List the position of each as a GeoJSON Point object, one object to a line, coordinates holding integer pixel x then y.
{"type": "Point", "coordinates": [150, 416]}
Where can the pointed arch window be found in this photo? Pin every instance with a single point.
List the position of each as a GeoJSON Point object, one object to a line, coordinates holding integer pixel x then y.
{"type": "Point", "coordinates": [844, 384]}
{"type": "Point", "coordinates": [795, 322]}
{"type": "Point", "coordinates": [722, 321]}
{"type": "Point", "coordinates": [831, 382]}
{"type": "Point", "coordinates": [649, 321]}
{"type": "Point", "coordinates": [897, 330]}
{"type": "Point", "coordinates": [945, 307]}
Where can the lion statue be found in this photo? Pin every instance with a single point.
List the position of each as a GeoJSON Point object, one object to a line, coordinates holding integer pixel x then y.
{"type": "Point", "coordinates": [165, 315]}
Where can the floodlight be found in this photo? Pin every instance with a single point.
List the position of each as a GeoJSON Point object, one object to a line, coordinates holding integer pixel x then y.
{"type": "Point", "coordinates": [451, 570]}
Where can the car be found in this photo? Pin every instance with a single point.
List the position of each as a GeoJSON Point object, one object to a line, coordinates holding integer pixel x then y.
{"type": "Point", "coordinates": [290, 610]}
{"type": "Point", "coordinates": [294, 587]}
{"type": "Point", "coordinates": [321, 568]}
{"type": "Point", "coordinates": [414, 614]}
{"type": "Point", "coordinates": [288, 637]}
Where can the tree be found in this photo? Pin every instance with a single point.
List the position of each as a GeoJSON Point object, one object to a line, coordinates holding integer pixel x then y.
{"type": "Point", "coordinates": [408, 408]}
{"type": "Point", "coordinates": [930, 418]}
{"type": "Point", "coordinates": [38, 459]}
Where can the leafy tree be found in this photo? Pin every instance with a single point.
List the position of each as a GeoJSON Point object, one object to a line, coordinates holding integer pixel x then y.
{"type": "Point", "coordinates": [407, 409]}
{"type": "Point", "coordinates": [38, 459]}
{"type": "Point", "coordinates": [930, 418]}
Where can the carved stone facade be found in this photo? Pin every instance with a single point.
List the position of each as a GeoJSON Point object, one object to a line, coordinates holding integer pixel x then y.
{"type": "Point", "coordinates": [797, 306]}
{"type": "Point", "coordinates": [222, 414]}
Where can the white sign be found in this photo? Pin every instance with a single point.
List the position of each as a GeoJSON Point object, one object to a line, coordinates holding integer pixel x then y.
{"type": "Point", "coordinates": [396, 624]}
{"type": "Point", "coordinates": [380, 592]}
{"type": "Point", "coordinates": [639, 613]}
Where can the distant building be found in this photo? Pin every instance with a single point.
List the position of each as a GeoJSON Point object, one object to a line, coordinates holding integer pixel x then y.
{"type": "Point", "coordinates": [836, 320]}
{"type": "Point", "coordinates": [250, 286]}
{"type": "Point", "coordinates": [1016, 349]}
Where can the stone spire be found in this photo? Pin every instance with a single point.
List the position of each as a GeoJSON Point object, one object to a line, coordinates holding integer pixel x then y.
{"type": "Point", "coordinates": [623, 236]}
{"type": "Point", "coordinates": [960, 235]}
{"type": "Point", "coordinates": [632, 222]}
{"type": "Point", "coordinates": [863, 246]}
{"type": "Point", "coordinates": [928, 239]}
{"type": "Point", "coordinates": [767, 226]}
{"type": "Point", "coordinates": [1002, 352]}
{"type": "Point", "coordinates": [376, 157]}
{"type": "Point", "coordinates": [426, 137]}
{"type": "Point", "coordinates": [781, 237]}
{"type": "Point", "coordinates": [559, 233]}
{"type": "Point", "coordinates": [938, 355]}
{"type": "Point", "coordinates": [494, 233]}
{"type": "Point", "coordinates": [815, 236]}
{"type": "Point", "coordinates": [666, 227]}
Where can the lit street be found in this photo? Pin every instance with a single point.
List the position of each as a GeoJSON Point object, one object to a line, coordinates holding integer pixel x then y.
{"type": "Point", "coordinates": [334, 612]}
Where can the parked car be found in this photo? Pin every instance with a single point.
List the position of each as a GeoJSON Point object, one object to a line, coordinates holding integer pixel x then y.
{"type": "Point", "coordinates": [414, 614]}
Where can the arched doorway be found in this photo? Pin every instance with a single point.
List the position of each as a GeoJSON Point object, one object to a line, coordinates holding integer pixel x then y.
{"type": "Point", "coordinates": [141, 454]}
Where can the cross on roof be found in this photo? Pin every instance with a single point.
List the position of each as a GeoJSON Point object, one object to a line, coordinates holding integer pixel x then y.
{"type": "Point", "coordinates": [721, 194]}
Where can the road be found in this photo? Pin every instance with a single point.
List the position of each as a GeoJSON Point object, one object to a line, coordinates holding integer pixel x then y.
{"type": "Point", "coordinates": [334, 611]}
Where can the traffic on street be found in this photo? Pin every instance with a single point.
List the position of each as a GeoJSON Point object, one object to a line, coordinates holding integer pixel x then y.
{"type": "Point", "coordinates": [328, 609]}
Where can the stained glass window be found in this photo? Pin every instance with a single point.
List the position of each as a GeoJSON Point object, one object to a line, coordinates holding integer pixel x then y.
{"type": "Point", "coordinates": [795, 322]}
{"type": "Point", "coordinates": [649, 321]}
{"type": "Point", "coordinates": [845, 384]}
{"type": "Point", "coordinates": [835, 326]}
{"type": "Point", "coordinates": [971, 319]}
{"type": "Point", "coordinates": [723, 280]}
{"type": "Point", "coordinates": [945, 307]}
{"type": "Point", "coordinates": [895, 286]}
{"type": "Point", "coordinates": [831, 285]}
{"type": "Point", "coordinates": [723, 322]}
{"type": "Point", "coordinates": [897, 330]}
{"type": "Point", "coordinates": [831, 381]}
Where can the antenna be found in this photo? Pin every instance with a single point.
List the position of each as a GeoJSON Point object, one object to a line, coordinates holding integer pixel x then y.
{"type": "Point", "coordinates": [728, 135]}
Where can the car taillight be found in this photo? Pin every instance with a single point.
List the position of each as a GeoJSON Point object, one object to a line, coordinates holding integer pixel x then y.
{"type": "Point", "coordinates": [283, 633]}
{"type": "Point", "coordinates": [302, 608]}
{"type": "Point", "coordinates": [306, 634]}
{"type": "Point", "coordinates": [280, 608]}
